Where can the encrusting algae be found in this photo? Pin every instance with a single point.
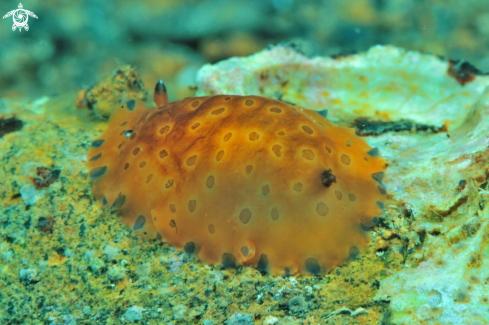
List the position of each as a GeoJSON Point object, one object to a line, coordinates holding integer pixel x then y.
{"type": "Point", "coordinates": [240, 180]}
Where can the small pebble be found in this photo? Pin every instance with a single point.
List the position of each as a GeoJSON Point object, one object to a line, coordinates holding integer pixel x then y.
{"type": "Point", "coordinates": [116, 273]}
{"type": "Point", "coordinates": [111, 252]}
{"type": "Point", "coordinates": [298, 304]}
{"type": "Point", "coordinates": [180, 311]}
{"type": "Point", "coordinates": [240, 319]}
{"type": "Point", "coordinates": [45, 224]}
{"type": "Point", "coordinates": [270, 320]}
{"type": "Point", "coordinates": [87, 310]}
{"type": "Point", "coordinates": [134, 313]}
{"type": "Point", "coordinates": [387, 234]}
{"type": "Point", "coordinates": [381, 244]}
{"type": "Point", "coordinates": [29, 275]}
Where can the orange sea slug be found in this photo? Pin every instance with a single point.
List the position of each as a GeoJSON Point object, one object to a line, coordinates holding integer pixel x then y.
{"type": "Point", "coordinates": [240, 180]}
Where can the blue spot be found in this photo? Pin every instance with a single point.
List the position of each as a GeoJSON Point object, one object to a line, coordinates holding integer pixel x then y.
{"type": "Point", "coordinates": [374, 152]}
{"type": "Point", "coordinates": [382, 188]}
{"type": "Point", "coordinates": [262, 263]}
{"type": "Point", "coordinates": [140, 221]}
{"type": "Point", "coordinates": [119, 202]}
{"type": "Point", "coordinates": [381, 205]}
{"type": "Point", "coordinates": [131, 104]}
{"type": "Point", "coordinates": [354, 251]}
{"type": "Point", "coordinates": [323, 113]}
{"type": "Point", "coordinates": [228, 260]}
{"type": "Point", "coordinates": [97, 143]}
{"type": "Point", "coordinates": [379, 176]}
{"type": "Point", "coordinates": [365, 227]}
{"type": "Point", "coordinates": [189, 247]}
{"type": "Point", "coordinates": [104, 201]}
{"type": "Point", "coordinates": [128, 133]}
{"type": "Point", "coordinates": [312, 265]}
{"type": "Point", "coordinates": [96, 157]}
{"type": "Point", "coordinates": [97, 172]}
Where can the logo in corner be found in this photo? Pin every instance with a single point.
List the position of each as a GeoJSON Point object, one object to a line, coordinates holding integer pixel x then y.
{"type": "Point", "coordinates": [20, 17]}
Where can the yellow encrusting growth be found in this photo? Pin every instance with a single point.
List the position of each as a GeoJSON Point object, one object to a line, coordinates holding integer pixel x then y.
{"type": "Point", "coordinates": [241, 180]}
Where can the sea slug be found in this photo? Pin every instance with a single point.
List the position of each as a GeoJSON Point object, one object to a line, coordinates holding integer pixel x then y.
{"type": "Point", "coordinates": [240, 180]}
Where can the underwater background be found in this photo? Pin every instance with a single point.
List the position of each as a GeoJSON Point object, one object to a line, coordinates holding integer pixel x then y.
{"type": "Point", "coordinates": [73, 43]}
{"type": "Point", "coordinates": [398, 72]}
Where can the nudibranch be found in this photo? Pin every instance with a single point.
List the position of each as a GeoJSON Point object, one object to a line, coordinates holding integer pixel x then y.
{"type": "Point", "coordinates": [240, 180]}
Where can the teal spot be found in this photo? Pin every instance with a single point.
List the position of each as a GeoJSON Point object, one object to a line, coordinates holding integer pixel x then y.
{"type": "Point", "coordinates": [323, 113]}
{"type": "Point", "coordinates": [312, 266]}
{"type": "Point", "coordinates": [374, 152]}
{"type": "Point", "coordinates": [119, 202]}
{"type": "Point", "coordinates": [97, 143]}
{"type": "Point", "coordinates": [262, 263]}
{"type": "Point", "coordinates": [189, 247]}
{"type": "Point", "coordinates": [96, 157]}
{"type": "Point", "coordinates": [365, 227]}
{"type": "Point", "coordinates": [228, 261]}
{"type": "Point", "coordinates": [381, 205]}
{"type": "Point", "coordinates": [131, 104]}
{"type": "Point", "coordinates": [379, 176]}
{"type": "Point", "coordinates": [354, 252]}
{"type": "Point", "coordinates": [140, 221]}
{"type": "Point", "coordinates": [97, 172]}
{"type": "Point", "coordinates": [382, 188]}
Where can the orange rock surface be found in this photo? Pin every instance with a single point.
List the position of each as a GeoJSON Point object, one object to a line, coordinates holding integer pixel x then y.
{"type": "Point", "coordinates": [241, 181]}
